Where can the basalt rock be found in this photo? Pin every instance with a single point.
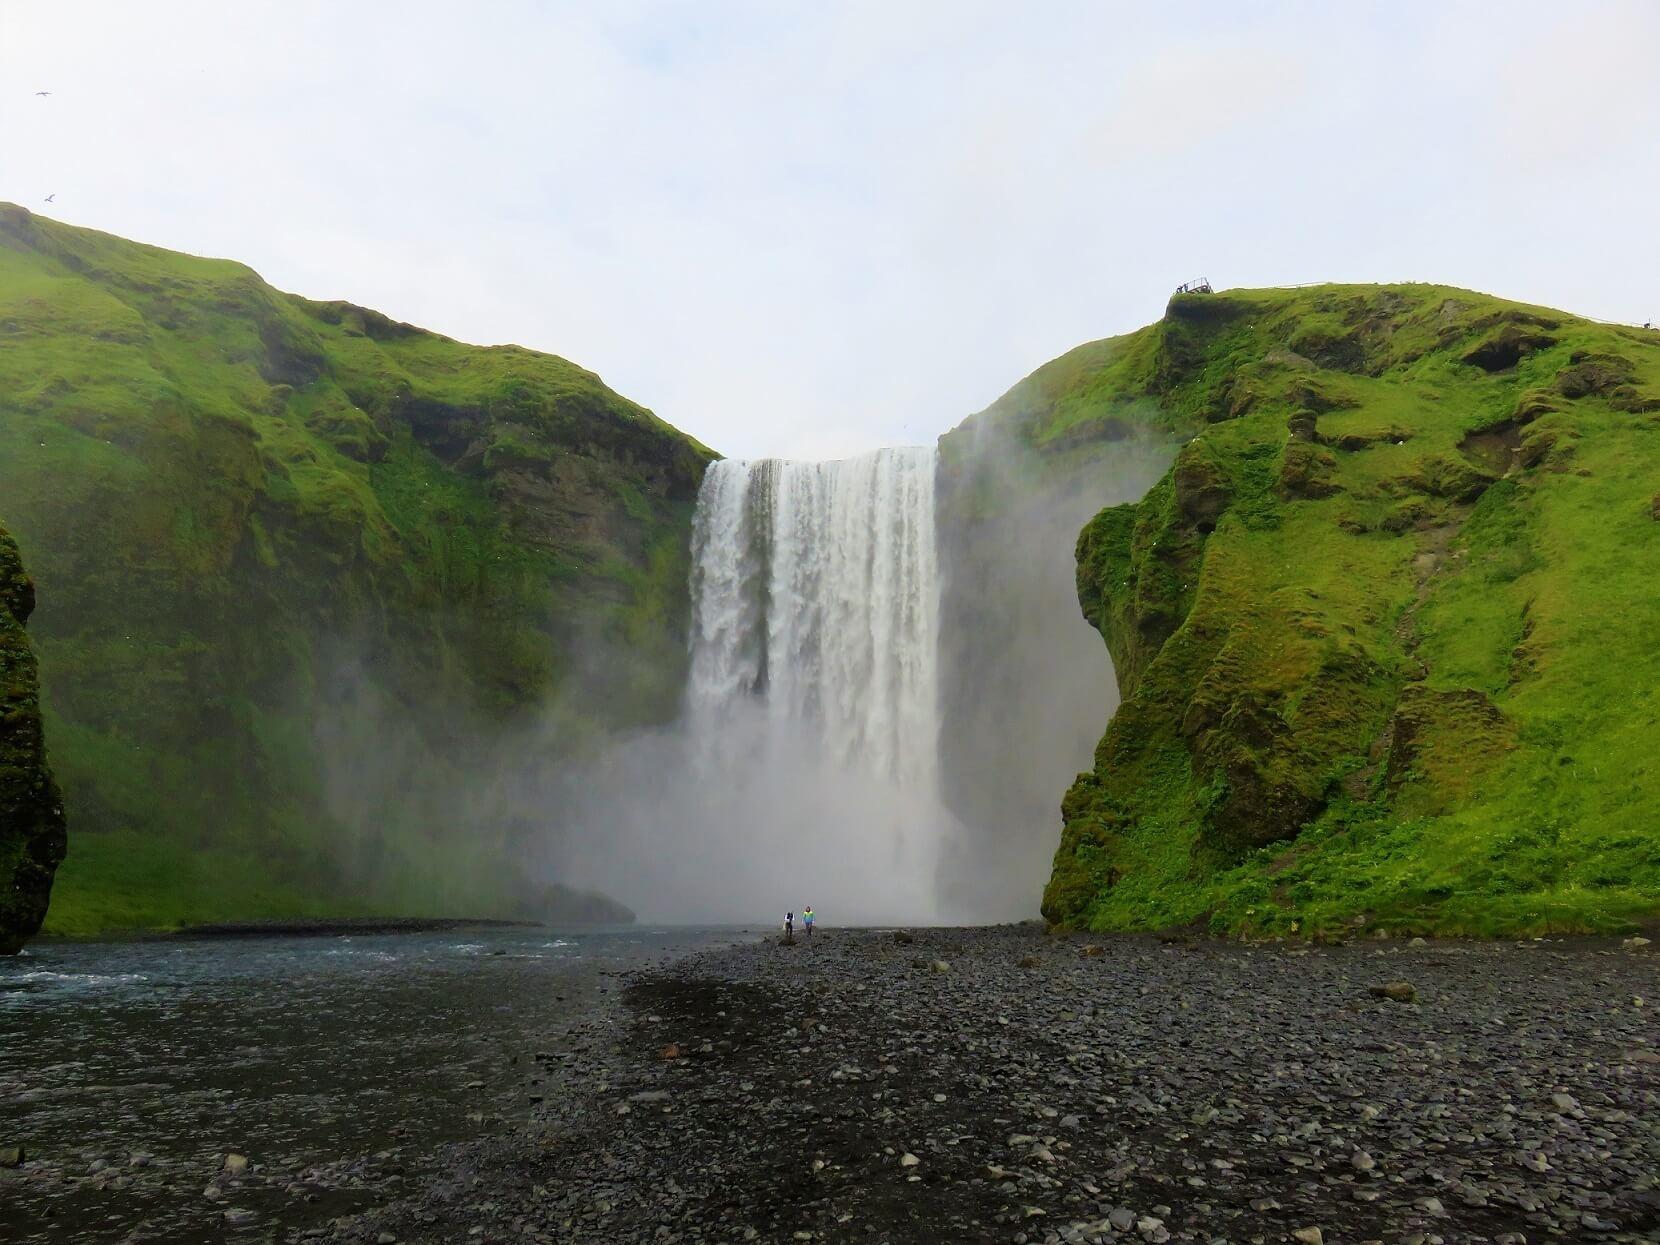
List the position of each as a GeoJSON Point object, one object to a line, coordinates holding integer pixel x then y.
{"type": "Point", "coordinates": [32, 837]}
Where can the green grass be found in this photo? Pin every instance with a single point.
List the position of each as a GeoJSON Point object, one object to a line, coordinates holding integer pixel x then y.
{"type": "Point", "coordinates": [1373, 666]}
{"type": "Point", "coordinates": [222, 489]}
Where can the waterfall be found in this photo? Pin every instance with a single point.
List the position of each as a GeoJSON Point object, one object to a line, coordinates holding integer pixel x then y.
{"type": "Point", "coordinates": [815, 646]}
{"type": "Point", "coordinates": [887, 692]}
{"type": "Point", "coordinates": [815, 592]}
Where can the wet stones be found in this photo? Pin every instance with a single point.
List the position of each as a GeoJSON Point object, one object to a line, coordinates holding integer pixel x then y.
{"type": "Point", "coordinates": [1160, 1093]}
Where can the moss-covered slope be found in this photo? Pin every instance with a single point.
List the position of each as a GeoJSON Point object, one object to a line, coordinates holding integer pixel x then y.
{"type": "Point", "coordinates": [271, 535]}
{"type": "Point", "coordinates": [31, 810]}
{"type": "Point", "coordinates": [1386, 633]}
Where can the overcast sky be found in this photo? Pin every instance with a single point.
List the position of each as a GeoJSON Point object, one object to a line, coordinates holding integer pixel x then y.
{"type": "Point", "coordinates": [811, 229]}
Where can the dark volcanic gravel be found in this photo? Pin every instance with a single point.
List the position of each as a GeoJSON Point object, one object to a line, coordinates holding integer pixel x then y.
{"type": "Point", "coordinates": [1001, 1085]}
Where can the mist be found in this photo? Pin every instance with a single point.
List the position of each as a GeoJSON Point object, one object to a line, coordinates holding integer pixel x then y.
{"type": "Point", "coordinates": [1027, 686]}
{"type": "Point", "coordinates": [890, 687]}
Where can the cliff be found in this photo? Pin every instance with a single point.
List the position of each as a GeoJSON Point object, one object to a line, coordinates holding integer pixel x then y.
{"type": "Point", "coordinates": [302, 568]}
{"type": "Point", "coordinates": [31, 810]}
{"type": "Point", "coordinates": [1385, 631]}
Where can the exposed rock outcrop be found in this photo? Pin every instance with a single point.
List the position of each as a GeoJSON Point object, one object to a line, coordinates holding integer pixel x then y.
{"type": "Point", "coordinates": [31, 809]}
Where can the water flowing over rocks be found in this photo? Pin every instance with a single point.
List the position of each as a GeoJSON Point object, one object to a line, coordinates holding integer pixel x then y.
{"type": "Point", "coordinates": [842, 1090]}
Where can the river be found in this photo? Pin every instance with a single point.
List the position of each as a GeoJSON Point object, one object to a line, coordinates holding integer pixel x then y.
{"type": "Point", "coordinates": [337, 1065]}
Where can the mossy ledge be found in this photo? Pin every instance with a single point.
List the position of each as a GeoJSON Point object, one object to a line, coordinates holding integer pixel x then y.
{"type": "Point", "coordinates": [302, 568]}
{"type": "Point", "coordinates": [1386, 631]}
{"type": "Point", "coordinates": [31, 809]}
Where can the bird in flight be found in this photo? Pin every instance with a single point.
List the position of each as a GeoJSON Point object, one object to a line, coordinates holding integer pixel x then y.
{"type": "Point", "coordinates": [43, 92]}
{"type": "Point", "coordinates": [51, 196]}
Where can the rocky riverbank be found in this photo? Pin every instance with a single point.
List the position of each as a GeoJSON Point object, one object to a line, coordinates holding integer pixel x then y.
{"type": "Point", "coordinates": [1002, 1085]}
{"type": "Point", "coordinates": [256, 1089]}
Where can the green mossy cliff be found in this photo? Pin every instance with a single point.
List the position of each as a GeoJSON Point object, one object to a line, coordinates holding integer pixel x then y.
{"type": "Point", "coordinates": [31, 810]}
{"type": "Point", "coordinates": [1387, 633]}
{"type": "Point", "coordinates": [301, 565]}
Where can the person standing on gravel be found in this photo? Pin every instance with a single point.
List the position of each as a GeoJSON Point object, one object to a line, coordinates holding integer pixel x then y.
{"type": "Point", "coordinates": [807, 919]}
{"type": "Point", "coordinates": [789, 927]}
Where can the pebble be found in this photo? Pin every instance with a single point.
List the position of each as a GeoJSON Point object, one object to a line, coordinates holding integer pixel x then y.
{"type": "Point", "coordinates": [1190, 1092]}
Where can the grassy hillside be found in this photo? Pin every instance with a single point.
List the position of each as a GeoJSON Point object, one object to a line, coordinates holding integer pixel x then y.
{"type": "Point", "coordinates": [31, 810]}
{"type": "Point", "coordinates": [1386, 631]}
{"type": "Point", "coordinates": [277, 540]}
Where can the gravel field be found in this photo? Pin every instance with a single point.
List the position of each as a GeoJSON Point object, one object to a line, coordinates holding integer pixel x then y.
{"type": "Point", "coordinates": [1004, 1085]}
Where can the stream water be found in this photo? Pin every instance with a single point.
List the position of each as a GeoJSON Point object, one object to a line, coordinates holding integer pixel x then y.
{"type": "Point", "coordinates": [337, 1065]}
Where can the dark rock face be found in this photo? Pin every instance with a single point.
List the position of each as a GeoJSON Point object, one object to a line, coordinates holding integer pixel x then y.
{"type": "Point", "coordinates": [31, 810]}
{"type": "Point", "coordinates": [1505, 347]}
{"type": "Point", "coordinates": [1593, 374]}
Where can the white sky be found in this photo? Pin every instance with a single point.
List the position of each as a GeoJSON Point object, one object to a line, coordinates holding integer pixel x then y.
{"type": "Point", "coordinates": [814, 228]}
